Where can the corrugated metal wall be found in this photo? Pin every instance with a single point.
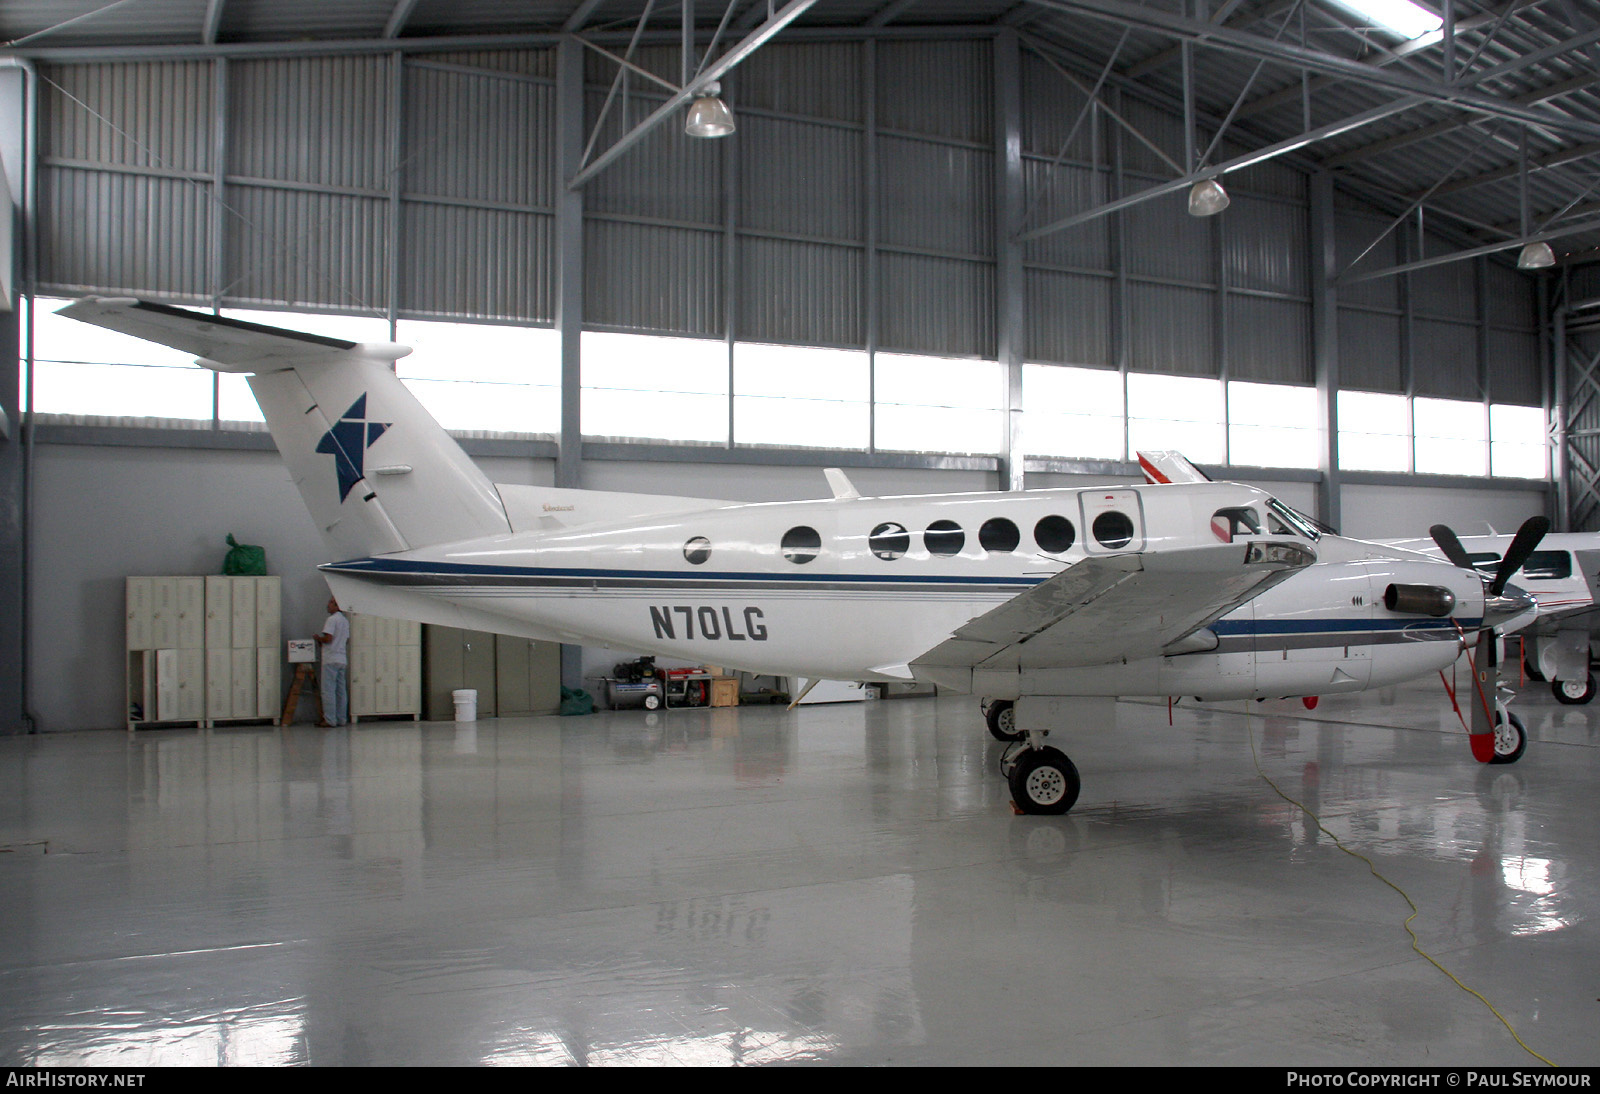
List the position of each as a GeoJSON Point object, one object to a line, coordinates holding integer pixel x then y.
{"type": "Point", "coordinates": [857, 206]}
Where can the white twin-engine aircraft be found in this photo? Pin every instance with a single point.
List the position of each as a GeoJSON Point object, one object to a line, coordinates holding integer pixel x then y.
{"type": "Point", "coordinates": [1050, 603]}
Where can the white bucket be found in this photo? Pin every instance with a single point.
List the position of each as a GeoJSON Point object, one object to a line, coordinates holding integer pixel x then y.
{"type": "Point", "coordinates": [466, 701]}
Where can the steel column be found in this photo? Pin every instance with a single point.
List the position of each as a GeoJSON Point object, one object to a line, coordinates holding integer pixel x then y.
{"type": "Point", "coordinates": [1010, 316]}
{"type": "Point", "coordinates": [1324, 260]}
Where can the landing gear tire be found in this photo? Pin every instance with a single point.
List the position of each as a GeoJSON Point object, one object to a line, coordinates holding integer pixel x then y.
{"type": "Point", "coordinates": [1574, 692]}
{"type": "Point", "coordinates": [1510, 740]}
{"type": "Point", "coordinates": [1044, 782]}
{"type": "Point", "coordinates": [1001, 717]}
{"type": "Point", "coordinates": [1530, 670]}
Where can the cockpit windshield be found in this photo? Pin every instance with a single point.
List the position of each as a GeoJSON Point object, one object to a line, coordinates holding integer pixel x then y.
{"type": "Point", "coordinates": [1284, 521]}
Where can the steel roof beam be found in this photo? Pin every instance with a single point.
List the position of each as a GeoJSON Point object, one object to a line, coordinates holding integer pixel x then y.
{"type": "Point", "coordinates": [1238, 163]}
{"type": "Point", "coordinates": [1224, 38]}
{"type": "Point", "coordinates": [1400, 140]}
{"type": "Point", "coordinates": [1475, 252]}
{"type": "Point", "coordinates": [1398, 53]}
{"type": "Point", "coordinates": [890, 12]}
{"type": "Point", "coordinates": [708, 75]}
{"type": "Point", "coordinates": [1556, 159]}
{"type": "Point", "coordinates": [580, 16]}
{"type": "Point", "coordinates": [213, 22]}
{"type": "Point", "coordinates": [398, 18]}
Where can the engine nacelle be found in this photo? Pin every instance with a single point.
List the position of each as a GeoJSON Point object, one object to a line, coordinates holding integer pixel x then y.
{"type": "Point", "coordinates": [1431, 600]}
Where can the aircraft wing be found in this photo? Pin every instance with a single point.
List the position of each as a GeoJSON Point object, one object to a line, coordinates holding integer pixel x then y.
{"type": "Point", "coordinates": [1112, 608]}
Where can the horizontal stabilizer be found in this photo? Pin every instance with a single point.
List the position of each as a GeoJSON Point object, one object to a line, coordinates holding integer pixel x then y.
{"type": "Point", "coordinates": [227, 345]}
{"type": "Point", "coordinates": [378, 473]}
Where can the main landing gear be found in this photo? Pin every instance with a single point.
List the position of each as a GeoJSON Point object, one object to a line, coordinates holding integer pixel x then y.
{"type": "Point", "coordinates": [1041, 778]}
{"type": "Point", "coordinates": [1001, 717]}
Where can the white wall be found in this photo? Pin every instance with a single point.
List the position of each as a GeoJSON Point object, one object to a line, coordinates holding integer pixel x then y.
{"type": "Point", "coordinates": [1395, 512]}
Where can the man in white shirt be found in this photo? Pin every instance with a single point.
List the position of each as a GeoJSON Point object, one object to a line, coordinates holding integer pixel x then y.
{"type": "Point", "coordinates": [335, 642]}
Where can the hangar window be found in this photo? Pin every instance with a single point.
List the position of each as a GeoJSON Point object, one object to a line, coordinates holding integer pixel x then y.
{"type": "Point", "coordinates": [1517, 442]}
{"type": "Point", "coordinates": [944, 538]}
{"type": "Point", "coordinates": [889, 541]}
{"type": "Point", "coordinates": [474, 376]}
{"type": "Point", "coordinates": [697, 550]}
{"type": "Point", "coordinates": [1183, 413]}
{"type": "Point", "coordinates": [1072, 413]}
{"type": "Point", "coordinates": [803, 396]}
{"type": "Point", "coordinates": [1374, 431]}
{"type": "Point", "coordinates": [1113, 529]}
{"type": "Point", "coordinates": [1054, 534]}
{"type": "Point", "coordinates": [936, 404]}
{"type": "Point", "coordinates": [1452, 437]}
{"type": "Point", "coordinates": [801, 544]}
{"type": "Point", "coordinates": [648, 388]}
{"type": "Point", "coordinates": [1272, 425]}
{"type": "Point", "coordinates": [999, 535]}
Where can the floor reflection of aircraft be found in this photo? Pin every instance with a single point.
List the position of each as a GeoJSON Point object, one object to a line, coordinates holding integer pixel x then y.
{"type": "Point", "coordinates": [1050, 603]}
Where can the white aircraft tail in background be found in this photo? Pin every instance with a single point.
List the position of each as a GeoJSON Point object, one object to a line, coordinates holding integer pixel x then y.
{"type": "Point", "coordinates": [1050, 604]}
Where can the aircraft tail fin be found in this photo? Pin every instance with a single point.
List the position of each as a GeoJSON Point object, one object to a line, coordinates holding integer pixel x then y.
{"type": "Point", "coordinates": [378, 473]}
{"type": "Point", "coordinates": [1167, 466]}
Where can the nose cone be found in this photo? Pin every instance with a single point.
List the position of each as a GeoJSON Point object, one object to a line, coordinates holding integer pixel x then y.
{"type": "Point", "coordinates": [1512, 610]}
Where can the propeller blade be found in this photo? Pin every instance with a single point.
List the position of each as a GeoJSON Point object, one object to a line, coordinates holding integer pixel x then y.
{"type": "Point", "coordinates": [1522, 545]}
{"type": "Point", "coordinates": [1451, 546]}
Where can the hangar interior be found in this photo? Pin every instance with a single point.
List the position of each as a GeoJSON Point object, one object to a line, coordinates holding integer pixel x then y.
{"type": "Point", "coordinates": [948, 247]}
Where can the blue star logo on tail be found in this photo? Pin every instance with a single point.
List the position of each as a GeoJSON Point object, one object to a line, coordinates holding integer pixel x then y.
{"type": "Point", "coordinates": [348, 442]}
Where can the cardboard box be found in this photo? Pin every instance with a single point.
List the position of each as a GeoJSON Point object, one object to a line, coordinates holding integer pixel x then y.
{"type": "Point", "coordinates": [302, 651]}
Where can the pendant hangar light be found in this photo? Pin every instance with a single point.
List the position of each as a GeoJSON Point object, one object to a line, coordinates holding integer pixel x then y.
{"type": "Point", "coordinates": [1207, 198]}
{"type": "Point", "coordinates": [1536, 256]}
{"type": "Point", "coordinates": [709, 116]}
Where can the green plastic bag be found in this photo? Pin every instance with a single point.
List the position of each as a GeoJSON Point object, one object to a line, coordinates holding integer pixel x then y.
{"type": "Point", "coordinates": [576, 702]}
{"type": "Point", "coordinates": [244, 560]}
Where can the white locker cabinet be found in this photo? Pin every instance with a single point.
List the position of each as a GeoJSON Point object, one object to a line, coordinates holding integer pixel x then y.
{"type": "Point", "coordinates": [268, 677]}
{"type": "Point", "coordinates": [269, 613]}
{"type": "Point", "coordinates": [219, 612]}
{"type": "Point", "coordinates": [140, 607]}
{"type": "Point", "coordinates": [244, 612]}
{"type": "Point", "coordinates": [385, 667]}
{"type": "Point", "coordinates": [203, 649]}
{"type": "Point", "coordinates": [244, 684]}
{"type": "Point", "coordinates": [219, 684]}
{"type": "Point", "coordinates": [190, 599]}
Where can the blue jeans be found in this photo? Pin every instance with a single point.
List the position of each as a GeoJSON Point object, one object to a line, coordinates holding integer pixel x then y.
{"type": "Point", "coordinates": [336, 694]}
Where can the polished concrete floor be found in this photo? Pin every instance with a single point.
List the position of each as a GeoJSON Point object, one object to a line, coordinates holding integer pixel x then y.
{"type": "Point", "coordinates": [842, 884]}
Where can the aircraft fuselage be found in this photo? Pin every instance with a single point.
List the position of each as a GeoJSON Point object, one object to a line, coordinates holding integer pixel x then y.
{"type": "Point", "coordinates": [858, 588]}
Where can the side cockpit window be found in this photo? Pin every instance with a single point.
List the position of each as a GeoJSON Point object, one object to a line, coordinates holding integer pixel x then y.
{"type": "Point", "coordinates": [1228, 524]}
{"type": "Point", "coordinates": [1548, 565]}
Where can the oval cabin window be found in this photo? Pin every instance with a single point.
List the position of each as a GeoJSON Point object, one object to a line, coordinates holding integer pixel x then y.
{"type": "Point", "coordinates": [889, 541]}
{"type": "Point", "coordinates": [1054, 535]}
{"type": "Point", "coordinates": [944, 539]}
{"type": "Point", "coordinates": [801, 544]}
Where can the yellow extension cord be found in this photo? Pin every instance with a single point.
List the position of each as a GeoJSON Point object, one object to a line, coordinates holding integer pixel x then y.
{"type": "Point", "coordinates": [1416, 945]}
